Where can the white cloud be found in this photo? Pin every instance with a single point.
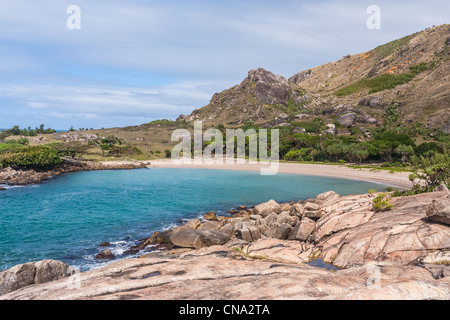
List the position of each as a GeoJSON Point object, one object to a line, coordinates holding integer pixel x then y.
{"type": "Point", "coordinates": [201, 46]}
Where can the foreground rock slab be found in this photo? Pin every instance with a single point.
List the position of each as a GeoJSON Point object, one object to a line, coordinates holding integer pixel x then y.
{"type": "Point", "coordinates": [223, 274]}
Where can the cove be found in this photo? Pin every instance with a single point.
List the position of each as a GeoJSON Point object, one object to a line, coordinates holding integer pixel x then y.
{"type": "Point", "coordinates": [68, 217]}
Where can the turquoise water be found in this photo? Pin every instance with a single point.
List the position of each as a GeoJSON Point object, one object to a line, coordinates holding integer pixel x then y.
{"type": "Point", "coordinates": [68, 217]}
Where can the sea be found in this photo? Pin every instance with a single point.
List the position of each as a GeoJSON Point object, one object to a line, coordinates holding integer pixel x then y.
{"type": "Point", "coordinates": [66, 218]}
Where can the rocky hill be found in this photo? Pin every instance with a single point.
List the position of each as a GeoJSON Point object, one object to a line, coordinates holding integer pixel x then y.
{"type": "Point", "coordinates": [412, 73]}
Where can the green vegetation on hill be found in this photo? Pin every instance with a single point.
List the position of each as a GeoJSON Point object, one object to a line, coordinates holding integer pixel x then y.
{"type": "Point", "coordinates": [387, 49]}
{"type": "Point", "coordinates": [383, 82]}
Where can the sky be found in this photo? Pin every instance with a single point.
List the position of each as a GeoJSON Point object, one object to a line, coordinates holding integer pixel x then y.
{"type": "Point", "coordinates": [132, 62]}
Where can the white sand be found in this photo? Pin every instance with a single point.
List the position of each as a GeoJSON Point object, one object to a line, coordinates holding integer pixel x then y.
{"type": "Point", "coordinates": [397, 179]}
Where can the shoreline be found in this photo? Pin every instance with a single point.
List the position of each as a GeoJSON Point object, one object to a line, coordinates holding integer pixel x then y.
{"type": "Point", "coordinates": [10, 177]}
{"type": "Point", "coordinates": [396, 179]}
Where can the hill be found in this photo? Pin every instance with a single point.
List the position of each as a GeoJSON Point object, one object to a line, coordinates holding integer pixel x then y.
{"type": "Point", "coordinates": [412, 72]}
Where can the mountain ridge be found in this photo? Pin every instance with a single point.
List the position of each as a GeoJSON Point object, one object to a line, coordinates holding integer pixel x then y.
{"type": "Point", "coordinates": [412, 72]}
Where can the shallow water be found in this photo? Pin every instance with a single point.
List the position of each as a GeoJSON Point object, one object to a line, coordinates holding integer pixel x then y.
{"type": "Point", "coordinates": [67, 218]}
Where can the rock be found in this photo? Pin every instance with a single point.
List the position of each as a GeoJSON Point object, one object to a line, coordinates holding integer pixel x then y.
{"type": "Point", "coordinates": [314, 215]}
{"type": "Point", "coordinates": [302, 116]}
{"type": "Point", "coordinates": [2, 189]}
{"type": "Point", "coordinates": [131, 251]}
{"type": "Point", "coordinates": [292, 252]}
{"type": "Point", "coordinates": [50, 270]}
{"type": "Point", "coordinates": [276, 272]}
{"type": "Point", "coordinates": [347, 120]}
{"type": "Point", "coordinates": [267, 208]}
{"type": "Point", "coordinates": [32, 273]}
{"type": "Point", "coordinates": [331, 129]}
{"type": "Point", "coordinates": [352, 234]}
{"type": "Point", "coordinates": [279, 231]}
{"type": "Point", "coordinates": [441, 257]}
{"type": "Point", "coordinates": [210, 225]}
{"type": "Point", "coordinates": [441, 188]}
{"type": "Point", "coordinates": [301, 76]}
{"type": "Point", "coordinates": [439, 211]}
{"type": "Point", "coordinates": [326, 196]}
{"type": "Point", "coordinates": [269, 88]}
{"type": "Point", "coordinates": [298, 130]}
{"type": "Point", "coordinates": [198, 238]}
{"type": "Point", "coordinates": [249, 233]}
{"type": "Point", "coordinates": [297, 210]}
{"type": "Point", "coordinates": [190, 225]}
{"type": "Point", "coordinates": [305, 228]}
{"type": "Point", "coordinates": [372, 102]}
{"type": "Point", "coordinates": [285, 217]}
{"type": "Point", "coordinates": [241, 208]}
{"type": "Point", "coordinates": [210, 216]}
{"type": "Point", "coordinates": [367, 119]}
{"type": "Point", "coordinates": [309, 206]}
{"type": "Point", "coordinates": [105, 244]}
{"type": "Point", "coordinates": [105, 255]}
{"type": "Point", "coordinates": [227, 229]}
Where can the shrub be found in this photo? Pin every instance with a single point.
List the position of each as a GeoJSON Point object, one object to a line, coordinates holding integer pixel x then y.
{"type": "Point", "coordinates": [383, 203]}
{"type": "Point", "coordinates": [36, 157]}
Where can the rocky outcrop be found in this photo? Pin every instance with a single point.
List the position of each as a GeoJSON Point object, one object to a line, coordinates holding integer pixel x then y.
{"type": "Point", "coordinates": [350, 233]}
{"type": "Point", "coordinates": [33, 273]}
{"type": "Point", "coordinates": [10, 176]}
{"type": "Point", "coordinates": [266, 252]}
{"type": "Point", "coordinates": [439, 211]}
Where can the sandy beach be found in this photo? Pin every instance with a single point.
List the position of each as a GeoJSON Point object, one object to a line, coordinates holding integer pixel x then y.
{"type": "Point", "coordinates": [397, 179]}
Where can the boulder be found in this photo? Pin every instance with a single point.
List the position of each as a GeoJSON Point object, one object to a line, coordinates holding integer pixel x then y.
{"type": "Point", "coordinates": [302, 116]}
{"type": "Point", "coordinates": [279, 231]}
{"type": "Point", "coordinates": [331, 129]}
{"type": "Point", "coordinates": [198, 238]}
{"type": "Point", "coordinates": [33, 273]}
{"type": "Point", "coordinates": [50, 270]}
{"type": "Point", "coordinates": [309, 206]}
{"type": "Point", "coordinates": [441, 188]}
{"type": "Point", "coordinates": [105, 244]}
{"type": "Point", "coordinates": [210, 216]}
{"type": "Point", "coordinates": [304, 229]}
{"type": "Point", "coordinates": [297, 210]}
{"type": "Point", "coordinates": [249, 233]}
{"type": "Point", "coordinates": [190, 225]}
{"type": "Point", "coordinates": [210, 225]}
{"type": "Point", "coordinates": [326, 196]}
{"type": "Point", "coordinates": [439, 211]}
{"type": "Point", "coordinates": [372, 102]}
{"type": "Point", "coordinates": [298, 130]}
{"type": "Point", "coordinates": [264, 209]}
{"type": "Point", "coordinates": [347, 120]}
{"type": "Point", "coordinates": [105, 255]}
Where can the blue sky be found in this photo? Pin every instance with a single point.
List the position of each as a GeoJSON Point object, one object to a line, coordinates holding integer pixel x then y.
{"type": "Point", "coordinates": [137, 61]}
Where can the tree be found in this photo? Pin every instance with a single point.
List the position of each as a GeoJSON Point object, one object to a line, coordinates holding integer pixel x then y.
{"type": "Point", "coordinates": [356, 152]}
{"type": "Point", "coordinates": [107, 144]}
{"type": "Point", "coordinates": [405, 152]}
{"type": "Point", "coordinates": [430, 172]}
